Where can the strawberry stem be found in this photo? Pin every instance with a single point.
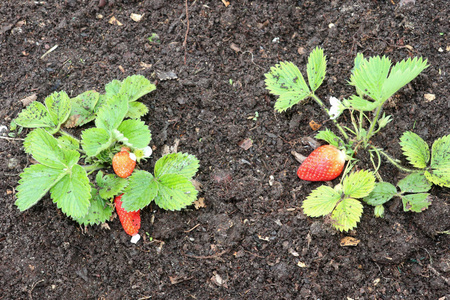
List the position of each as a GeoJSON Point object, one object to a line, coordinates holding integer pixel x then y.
{"type": "Point", "coordinates": [317, 99]}
{"type": "Point", "coordinates": [392, 160]}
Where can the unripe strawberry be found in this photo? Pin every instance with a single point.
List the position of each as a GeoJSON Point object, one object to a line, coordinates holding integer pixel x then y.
{"type": "Point", "coordinates": [323, 164]}
{"type": "Point", "coordinates": [124, 162]}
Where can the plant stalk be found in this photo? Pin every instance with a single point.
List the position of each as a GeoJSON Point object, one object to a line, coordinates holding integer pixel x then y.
{"type": "Point", "coordinates": [372, 125]}
{"type": "Point", "coordinates": [392, 160]}
{"type": "Point", "coordinates": [317, 99]}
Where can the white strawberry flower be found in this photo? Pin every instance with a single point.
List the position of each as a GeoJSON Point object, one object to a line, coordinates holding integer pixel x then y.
{"type": "Point", "coordinates": [336, 108]}
{"type": "Point", "coordinates": [147, 151]}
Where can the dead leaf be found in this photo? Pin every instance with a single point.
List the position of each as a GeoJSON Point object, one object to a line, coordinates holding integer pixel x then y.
{"type": "Point", "coordinates": [349, 241]}
{"type": "Point", "coordinates": [301, 50]}
{"type": "Point", "coordinates": [226, 3]}
{"type": "Point", "coordinates": [105, 226]}
{"type": "Point", "coordinates": [72, 121]}
{"type": "Point", "coordinates": [136, 17]}
{"type": "Point", "coordinates": [26, 101]}
{"type": "Point", "coordinates": [314, 126]}
{"type": "Point", "coordinates": [114, 21]}
{"type": "Point", "coordinates": [245, 144]}
{"type": "Point", "coordinates": [197, 185]}
{"type": "Point", "coordinates": [199, 203]}
{"type": "Point", "coordinates": [429, 97]}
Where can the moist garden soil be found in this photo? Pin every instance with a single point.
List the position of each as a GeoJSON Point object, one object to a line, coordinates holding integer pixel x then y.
{"type": "Point", "coordinates": [250, 239]}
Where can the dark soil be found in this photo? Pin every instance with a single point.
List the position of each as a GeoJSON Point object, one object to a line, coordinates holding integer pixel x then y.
{"type": "Point", "coordinates": [252, 240]}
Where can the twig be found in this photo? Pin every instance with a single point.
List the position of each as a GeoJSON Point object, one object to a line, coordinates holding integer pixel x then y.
{"type": "Point", "coordinates": [186, 231]}
{"type": "Point", "coordinates": [32, 288]}
{"type": "Point", "coordinates": [218, 255]}
{"type": "Point", "coordinates": [187, 31]}
{"type": "Point", "coordinates": [252, 59]}
{"type": "Point", "coordinates": [11, 139]}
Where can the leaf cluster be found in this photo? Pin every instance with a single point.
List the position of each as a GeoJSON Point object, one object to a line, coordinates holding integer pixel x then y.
{"type": "Point", "coordinates": [286, 81]}
{"type": "Point", "coordinates": [435, 165]}
{"type": "Point", "coordinates": [341, 203]}
{"type": "Point", "coordinates": [413, 192]}
{"type": "Point", "coordinates": [65, 162]}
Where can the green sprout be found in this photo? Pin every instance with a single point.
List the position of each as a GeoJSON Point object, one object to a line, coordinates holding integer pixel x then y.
{"type": "Point", "coordinates": [154, 38]}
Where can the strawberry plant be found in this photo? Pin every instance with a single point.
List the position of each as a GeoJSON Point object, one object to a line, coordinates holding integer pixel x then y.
{"type": "Point", "coordinates": [375, 81]}
{"type": "Point", "coordinates": [65, 163]}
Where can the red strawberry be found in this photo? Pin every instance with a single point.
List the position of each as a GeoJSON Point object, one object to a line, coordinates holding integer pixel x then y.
{"type": "Point", "coordinates": [131, 221]}
{"type": "Point", "coordinates": [323, 164]}
{"type": "Point", "coordinates": [124, 162]}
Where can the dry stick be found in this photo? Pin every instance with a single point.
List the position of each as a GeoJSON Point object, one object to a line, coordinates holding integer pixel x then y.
{"type": "Point", "coordinates": [187, 32]}
{"type": "Point", "coordinates": [218, 255]}
{"type": "Point", "coordinates": [32, 288]}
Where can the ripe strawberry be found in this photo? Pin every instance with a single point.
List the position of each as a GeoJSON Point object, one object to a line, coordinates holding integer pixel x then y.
{"type": "Point", "coordinates": [131, 221]}
{"type": "Point", "coordinates": [323, 164]}
{"type": "Point", "coordinates": [124, 162]}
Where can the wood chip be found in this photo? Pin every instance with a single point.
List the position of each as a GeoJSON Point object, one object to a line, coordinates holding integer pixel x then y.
{"type": "Point", "coordinates": [235, 47]}
{"type": "Point", "coordinates": [27, 100]}
{"type": "Point", "coordinates": [226, 3]}
{"type": "Point", "coordinates": [136, 17]}
{"type": "Point", "coordinates": [349, 241]}
{"type": "Point", "coordinates": [245, 144]}
{"type": "Point", "coordinates": [429, 97]}
{"type": "Point", "coordinates": [314, 126]}
{"type": "Point", "coordinates": [114, 21]}
{"type": "Point", "coordinates": [199, 203]}
{"type": "Point", "coordinates": [298, 157]}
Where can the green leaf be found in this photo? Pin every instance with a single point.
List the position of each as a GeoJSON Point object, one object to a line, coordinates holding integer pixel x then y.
{"type": "Point", "coordinates": [72, 193]}
{"type": "Point", "coordinates": [358, 184]}
{"type": "Point", "coordinates": [136, 133]}
{"type": "Point", "coordinates": [83, 109]}
{"type": "Point", "coordinates": [321, 201]}
{"type": "Point", "coordinates": [177, 163]}
{"type": "Point", "coordinates": [361, 104]}
{"type": "Point", "coordinates": [415, 149]}
{"type": "Point", "coordinates": [141, 190]}
{"type": "Point", "coordinates": [416, 202]}
{"type": "Point", "coordinates": [136, 86]}
{"type": "Point", "coordinates": [379, 211]}
{"type": "Point", "coordinates": [316, 68]}
{"type": "Point", "coordinates": [331, 138]}
{"type": "Point", "coordinates": [59, 106]}
{"type": "Point", "coordinates": [34, 116]}
{"type": "Point", "coordinates": [110, 185]}
{"type": "Point", "coordinates": [439, 171]}
{"type": "Point", "coordinates": [68, 142]}
{"type": "Point", "coordinates": [45, 149]}
{"type": "Point", "coordinates": [113, 88]}
{"type": "Point", "coordinates": [95, 140]}
{"type": "Point", "coordinates": [112, 113]}
{"type": "Point", "coordinates": [136, 110]}
{"type": "Point", "coordinates": [175, 192]}
{"type": "Point", "coordinates": [35, 181]}
{"type": "Point", "coordinates": [401, 74]}
{"type": "Point", "coordinates": [359, 61]}
{"type": "Point", "coordinates": [99, 211]}
{"type": "Point", "coordinates": [286, 81]}
{"type": "Point", "coordinates": [370, 77]}
{"type": "Point", "coordinates": [347, 214]}
{"type": "Point", "coordinates": [382, 193]}
{"type": "Point", "coordinates": [414, 183]}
